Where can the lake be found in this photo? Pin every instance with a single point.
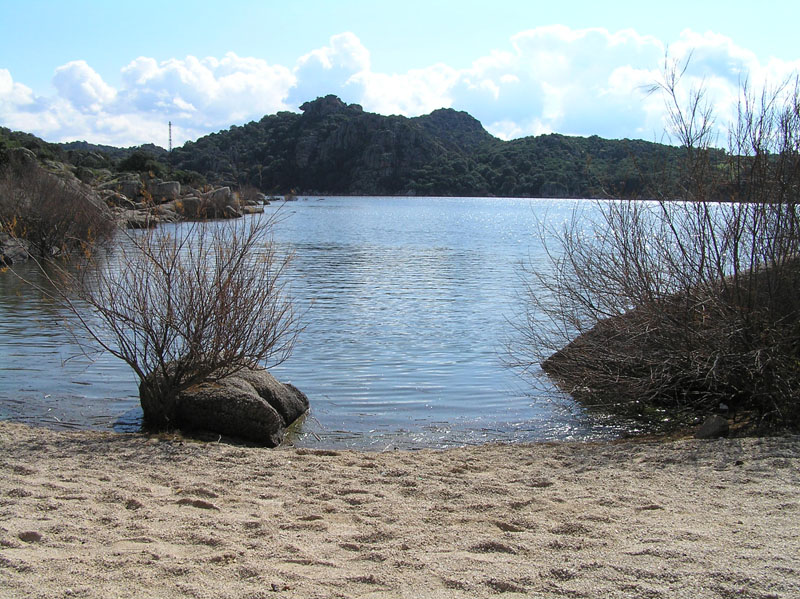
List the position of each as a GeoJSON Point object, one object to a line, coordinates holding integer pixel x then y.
{"type": "Point", "coordinates": [407, 305]}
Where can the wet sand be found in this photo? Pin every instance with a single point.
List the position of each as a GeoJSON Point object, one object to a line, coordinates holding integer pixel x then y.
{"type": "Point", "coordinates": [100, 515]}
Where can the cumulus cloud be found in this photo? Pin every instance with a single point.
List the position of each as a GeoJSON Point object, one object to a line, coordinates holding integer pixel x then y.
{"type": "Point", "coordinates": [331, 69]}
{"type": "Point", "coordinates": [13, 95]}
{"type": "Point", "coordinates": [19, 108]}
{"type": "Point", "coordinates": [547, 79]}
{"type": "Point", "coordinates": [419, 91]}
{"type": "Point", "coordinates": [564, 80]}
{"type": "Point", "coordinates": [197, 95]}
{"type": "Point", "coordinates": [82, 87]}
{"type": "Point", "coordinates": [209, 92]}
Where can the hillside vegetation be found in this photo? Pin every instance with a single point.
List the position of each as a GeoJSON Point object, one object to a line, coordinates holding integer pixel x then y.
{"type": "Point", "coordinates": [336, 148]}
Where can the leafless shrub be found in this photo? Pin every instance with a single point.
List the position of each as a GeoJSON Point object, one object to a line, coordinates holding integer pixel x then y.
{"type": "Point", "coordinates": [674, 307]}
{"type": "Point", "coordinates": [220, 203]}
{"type": "Point", "coordinates": [250, 195]}
{"type": "Point", "coordinates": [53, 215]}
{"type": "Point", "coordinates": [180, 306]}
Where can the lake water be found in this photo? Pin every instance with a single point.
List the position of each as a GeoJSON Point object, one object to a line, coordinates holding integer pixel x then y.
{"type": "Point", "coordinates": [407, 304]}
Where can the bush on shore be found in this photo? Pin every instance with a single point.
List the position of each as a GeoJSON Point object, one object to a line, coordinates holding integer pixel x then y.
{"type": "Point", "coordinates": [53, 215]}
{"type": "Point", "coordinates": [670, 309]}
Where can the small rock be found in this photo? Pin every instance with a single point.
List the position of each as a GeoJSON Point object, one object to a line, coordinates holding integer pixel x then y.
{"type": "Point", "coordinates": [30, 536]}
{"type": "Point", "coordinates": [715, 426]}
{"type": "Point", "coordinates": [252, 209]}
{"type": "Point", "coordinates": [198, 503]}
{"type": "Point", "coordinates": [137, 219]}
{"type": "Point", "coordinates": [133, 504]}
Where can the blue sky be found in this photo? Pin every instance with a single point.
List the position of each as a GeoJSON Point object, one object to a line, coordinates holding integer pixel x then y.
{"type": "Point", "coordinates": [117, 72]}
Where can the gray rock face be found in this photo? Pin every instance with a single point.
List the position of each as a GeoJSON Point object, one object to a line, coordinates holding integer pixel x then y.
{"type": "Point", "coordinates": [130, 188]}
{"type": "Point", "coordinates": [22, 157]}
{"type": "Point", "coordinates": [250, 404]}
{"type": "Point", "coordinates": [221, 195]}
{"type": "Point", "coordinates": [137, 219]}
{"type": "Point", "coordinates": [167, 190]}
{"type": "Point", "coordinates": [188, 207]}
{"type": "Point", "coordinates": [114, 198]}
{"type": "Point", "coordinates": [252, 209]}
{"type": "Point", "coordinates": [13, 251]}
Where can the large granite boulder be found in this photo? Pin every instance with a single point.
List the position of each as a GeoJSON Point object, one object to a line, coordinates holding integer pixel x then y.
{"type": "Point", "coordinates": [12, 250]}
{"type": "Point", "coordinates": [250, 404]}
{"type": "Point", "coordinates": [166, 190]}
{"type": "Point", "coordinates": [131, 186]}
{"type": "Point", "coordinates": [222, 196]}
{"type": "Point", "coordinates": [221, 203]}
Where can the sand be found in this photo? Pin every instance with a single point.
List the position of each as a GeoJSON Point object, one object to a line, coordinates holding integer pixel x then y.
{"type": "Point", "coordinates": [90, 514]}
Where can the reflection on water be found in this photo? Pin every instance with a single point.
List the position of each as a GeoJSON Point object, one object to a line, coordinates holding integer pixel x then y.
{"type": "Point", "coordinates": [47, 374]}
{"type": "Point", "coordinates": [406, 304]}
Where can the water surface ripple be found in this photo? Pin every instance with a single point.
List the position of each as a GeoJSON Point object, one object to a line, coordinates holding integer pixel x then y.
{"type": "Point", "coordinates": [406, 303]}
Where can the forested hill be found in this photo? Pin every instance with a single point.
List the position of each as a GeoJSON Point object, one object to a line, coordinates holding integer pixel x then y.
{"type": "Point", "coordinates": [336, 148]}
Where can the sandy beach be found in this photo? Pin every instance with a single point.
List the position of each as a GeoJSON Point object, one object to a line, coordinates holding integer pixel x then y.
{"type": "Point", "coordinates": [103, 515]}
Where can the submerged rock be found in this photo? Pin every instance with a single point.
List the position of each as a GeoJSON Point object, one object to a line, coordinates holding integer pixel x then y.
{"type": "Point", "coordinates": [250, 404]}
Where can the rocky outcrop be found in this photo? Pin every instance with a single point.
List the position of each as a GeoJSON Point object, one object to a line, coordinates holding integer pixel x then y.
{"type": "Point", "coordinates": [162, 191]}
{"type": "Point", "coordinates": [137, 219]}
{"type": "Point", "coordinates": [146, 202]}
{"type": "Point", "coordinates": [13, 251]}
{"type": "Point", "coordinates": [47, 210]}
{"type": "Point", "coordinates": [22, 157]}
{"type": "Point", "coordinates": [328, 105]}
{"type": "Point", "coordinates": [250, 404]}
{"type": "Point", "coordinates": [130, 187]}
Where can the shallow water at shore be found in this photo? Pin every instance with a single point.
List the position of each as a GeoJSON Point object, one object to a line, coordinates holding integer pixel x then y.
{"type": "Point", "coordinates": [407, 304]}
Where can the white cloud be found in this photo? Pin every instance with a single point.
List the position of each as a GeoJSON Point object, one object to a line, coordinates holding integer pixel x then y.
{"type": "Point", "coordinates": [198, 95]}
{"type": "Point", "coordinates": [206, 93]}
{"type": "Point", "coordinates": [419, 91]}
{"type": "Point", "coordinates": [82, 87]}
{"type": "Point", "coordinates": [330, 69]}
{"type": "Point", "coordinates": [572, 81]}
{"type": "Point", "coordinates": [560, 79]}
{"type": "Point", "coordinates": [716, 55]}
{"type": "Point", "coordinates": [344, 68]}
{"type": "Point", "coordinates": [345, 51]}
{"type": "Point", "coordinates": [13, 95]}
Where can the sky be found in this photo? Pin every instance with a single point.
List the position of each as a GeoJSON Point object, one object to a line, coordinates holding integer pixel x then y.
{"type": "Point", "coordinates": [118, 72]}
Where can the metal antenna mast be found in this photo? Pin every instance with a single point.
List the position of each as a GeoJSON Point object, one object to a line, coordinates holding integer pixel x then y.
{"type": "Point", "coordinates": [170, 137]}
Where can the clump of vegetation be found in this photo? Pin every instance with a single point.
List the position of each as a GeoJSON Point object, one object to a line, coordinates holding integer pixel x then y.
{"type": "Point", "coordinates": [180, 305]}
{"type": "Point", "coordinates": [187, 305]}
{"type": "Point", "coordinates": [677, 307]}
{"type": "Point", "coordinates": [248, 194]}
{"type": "Point", "coordinates": [143, 162]}
{"type": "Point", "coordinates": [53, 215]}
